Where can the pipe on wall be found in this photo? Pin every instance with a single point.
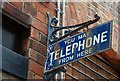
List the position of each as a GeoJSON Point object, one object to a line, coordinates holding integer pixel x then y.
{"type": "Point", "coordinates": [58, 14]}
{"type": "Point", "coordinates": [63, 18]}
{"type": "Point", "coordinates": [58, 17]}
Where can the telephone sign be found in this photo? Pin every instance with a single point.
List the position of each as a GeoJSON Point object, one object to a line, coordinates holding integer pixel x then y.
{"type": "Point", "coordinates": [84, 44]}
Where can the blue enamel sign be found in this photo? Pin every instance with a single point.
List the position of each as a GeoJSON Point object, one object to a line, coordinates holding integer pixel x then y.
{"type": "Point", "coordinates": [84, 44]}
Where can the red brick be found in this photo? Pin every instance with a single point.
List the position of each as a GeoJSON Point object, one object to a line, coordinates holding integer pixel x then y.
{"type": "Point", "coordinates": [40, 16]}
{"type": "Point", "coordinates": [18, 4]}
{"type": "Point", "coordinates": [108, 15]}
{"type": "Point", "coordinates": [36, 68]}
{"type": "Point", "coordinates": [77, 5]}
{"type": "Point", "coordinates": [68, 15]}
{"type": "Point", "coordinates": [34, 33]}
{"type": "Point", "coordinates": [73, 11]}
{"type": "Point", "coordinates": [37, 35]}
{"type": "Point", "coordinates": [36, 56]}
{"type": "Point", "coordinates": [68, 78]}
{"type": "Point", "coordinates": [38, 47]}
{"type": "Point", "coordinates": [112, 57]}
{"type": "Point", "coordinates": [31, 75]}
{"type": "Point", "coordinates": [40, 26]}
{"type": "Point", "coordinates": [41, 59]}
{"type": "Point", "coordinates": [114, 39]}
{"type": "Point", "coordinates": [84, 12]}
{"type": "Point", "coordinates": [79, 18]}
{"type": "Point", "coordinates": [16, 14]}
{"type": "Point", "coordinates": [43, 39]}
{"type": "Point", "coordinates": [42, 9]}
{"type": "Point", "coordinates": [105, 66]}
{"type": "Point", "coordinates": [69, 70]}
{"type": "Point", "coordinates": [32, 54]}
{"type": "Point", "coordinates": [87, 70]}
{"type": "Point", "coordinates": [51, 6]}
{"type": "Point", "coordinates": [29, 9]}
{"type": "Point", "coordinates": [75, 73]}
{"type": "Point", "coordinates": [74, 22]}
{"type": "Point", "coordinates": [46, 20]}
{"type": "Point", "coordinates": [38, 77]}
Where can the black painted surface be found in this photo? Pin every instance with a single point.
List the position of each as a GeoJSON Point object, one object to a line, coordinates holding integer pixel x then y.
{"type": "Point", "coordinates": [14, 63]}
{"type": "Point", "coordinates": [13, 34]}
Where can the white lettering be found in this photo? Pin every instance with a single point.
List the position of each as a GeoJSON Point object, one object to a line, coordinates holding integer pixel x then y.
{"type": "Point", "coordinates": [74, 46]}
{"type": "Point", "coordinates": [61, 53]}
{"type": "Point", "coordinates": [96, 39]}
{"type": "Point", "coordinates": [51, 58]}
{"type": "Point", "coordinates": [84, 53]}
{"type": "Point", "coordinates": [68, 48]}
{"type": "Point", "coordinates": [103, 37]}
{"type": "Point", "coordinates": [56, 54]}
{"type": "Point", "coordinates": [81, 45]}
{"type": "Point", "coordinates": [66, 59]}
{"type": "Point", "coordinates": [81, 36]}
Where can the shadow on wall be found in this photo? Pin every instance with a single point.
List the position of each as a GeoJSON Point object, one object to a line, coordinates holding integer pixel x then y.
{"type": "Point", "coordinates": [113, 58]}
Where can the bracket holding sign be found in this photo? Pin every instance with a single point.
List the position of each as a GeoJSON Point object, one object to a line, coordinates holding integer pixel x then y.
{"type": "Point", "coordinates": [53, 51]}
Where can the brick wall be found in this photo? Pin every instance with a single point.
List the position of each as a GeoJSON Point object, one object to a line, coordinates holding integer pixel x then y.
{"type": "Point", "coordinates": [78, 12]}
{"type": "Point", "coordinates": [38, 39]}
{"type": "Point", "coordinates": [33, 15]}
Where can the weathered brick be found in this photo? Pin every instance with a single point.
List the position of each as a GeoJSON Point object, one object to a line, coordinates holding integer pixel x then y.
{"type": "Point", "coordinates": [43, 39]}
{"type": "Point", "coordinates": [40, 16]}
{"type": "Point", "coordinates": [67, 78]}
{"type": "Point", "coordinates": [83, 11]}
{"type": "Point", "coordinates": [38, 47]}
{"type": "Point", "coordinates": [31, 75]}
{"type": "Point", "coordinates": [89, 72]}
{"type": "Point", "coordinates": [73, 11]}
{"type": "Point", "coordinates": [16, 13]}
{"type": "Point", "coordinates": [36, 68]}
{"type": "Point", "coordinates": [69, 70]}
{"type": "Point", "coordinates": [74, 22]}
{"type": "Point", "coordinates": [18, 4]}
{"type": "Point", "coordinates": [112, 57]}
{"type": "Point", "coordinates": [38, 36]}
{"type": "Point", "coordinates": [29, 9]}
{"type": "Point", "coordinates": [37, 77]}
{"type": "Point", "coordinates": [77, 5]}
{"type": "Point", "coordinates": [34, 33]}
{"type": "Point", "coordinates": [40, 26]}
{"type": "Point", "coordinates": [32, 54]}
{"type": "Point", "coordinates": [41, 59]}
{"type": "Point", "coordinates": [37, 57]}
{"type": "Point", "coordinates": [46, 20]}
{"type": "Point", "coordinates": [105, 66]}
{"type": "Point", "coordinates": [42, 9]}
{"type": "Point", "coordinates": [75, 73]}
{"type": "Point", "coordinates": [68, 15]}
{"type": "Point", "coordinates": [79, 18]}
{"type": "Point", "coordinates": [51, 6]}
